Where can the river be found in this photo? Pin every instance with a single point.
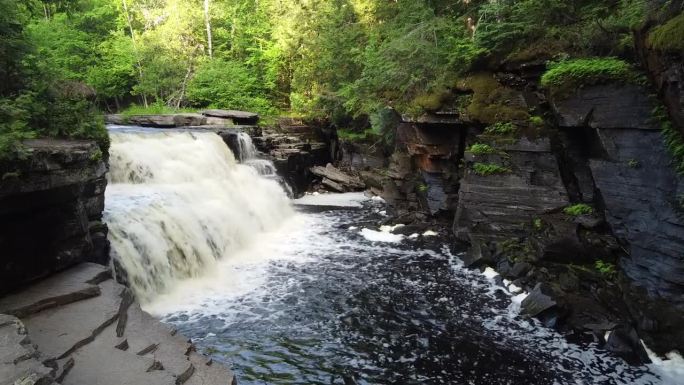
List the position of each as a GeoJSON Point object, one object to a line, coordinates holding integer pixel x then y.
{"type": "Point", "coordinates": [312, 291]}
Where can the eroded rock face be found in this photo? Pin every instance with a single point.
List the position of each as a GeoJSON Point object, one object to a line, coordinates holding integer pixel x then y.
{"type": "Point", "coordinates": [51, 210]}
{"type": "Point", "coordinates": [606, 106]}
{"type": "Point", "coordinates": [637, 186]}
{"type": "Point", "coordinates": [423, 171]}
{"type": "Point", "coordinates": [502, 206]}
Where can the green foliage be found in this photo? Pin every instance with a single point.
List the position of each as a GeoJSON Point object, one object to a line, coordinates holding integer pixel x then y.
{"type": "Point", "coordinates": [669, 37]}
{"type": "Point", "coordinates": [230, 85]}
{"type": "Point", "coordinates": [606, 269]}
{"type": "Point", "coordinates": [579, 209]}
{"type": "Point", "coordinates": [485, 169]}
{"type": "Point", "coordinates": [384, 123]}
{"type": "Point", "coordinates": [568, 75]}
{"type": "Point", "coordinates": [356, 136]}
{"type": "Point", "coordinates": [422, 188]}
{"type": "Point", "coordinates": [674, 140]}
{"type": "Point", "coordinates": [156, 108]}
{"type": "Point", "coordinates": [481, 149]}
{"type": "Point", "coordinates": [538, 224]}
{"type": "Point", "coordinates": [500, 128]}
{"type": "Point", "coordinates": [536, 121]}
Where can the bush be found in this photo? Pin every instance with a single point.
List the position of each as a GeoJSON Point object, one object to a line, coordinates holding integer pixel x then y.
{"type": "Point", "coordinates": [485, 169]}
{"type": "Point", "coordinates": [668, 37]}
{"type": "Point", "coordinates": [568, 75]}
{"type": "Point", "coordinates": [481, 149]}
{"type": "Point", "coordinates": [579, 209]}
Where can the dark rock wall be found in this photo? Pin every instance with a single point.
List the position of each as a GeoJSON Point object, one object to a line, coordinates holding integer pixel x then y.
{"type": "Point", "coordinates": [423, 172]}
{"type": "Point", "coordinates": [51, 207]}
{"type": "Point", "coordinates": [503, 206]}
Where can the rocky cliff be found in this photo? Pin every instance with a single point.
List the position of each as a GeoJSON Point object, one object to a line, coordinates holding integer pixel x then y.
{"type": "Point", "coordinates": [575, 198]}
{"type": "Point", "coordinates": [51, 204]}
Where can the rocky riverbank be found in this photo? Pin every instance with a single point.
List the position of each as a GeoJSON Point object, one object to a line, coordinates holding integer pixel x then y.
{"type": "Point", "coordinates": [81, 327]}
{"type": "Point", "coordinates": [574, 198]}
{"type": "Point", "coordinates": [63, 319]}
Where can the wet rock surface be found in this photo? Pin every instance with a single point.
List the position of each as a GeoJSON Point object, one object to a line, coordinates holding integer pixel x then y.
{"type": "Point", "coordinates": [103, 338]}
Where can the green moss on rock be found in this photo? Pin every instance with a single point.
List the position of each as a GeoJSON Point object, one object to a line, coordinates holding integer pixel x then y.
{"type": "Point", "coordinates": [492, 102]}
{"type": "Point", "coordinates": [485, 169]}
{"type": "Point", "coordinates": [568, 75]}
{"type": "Point", "coordinates": [481, 149]}
{"type": "Point", "coordinates": [668, 37]}
{"type": "Point", "coordinates": [579, 209]}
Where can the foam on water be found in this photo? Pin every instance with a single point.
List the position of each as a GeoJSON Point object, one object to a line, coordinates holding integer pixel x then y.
{"type": "Point", "coordinates": [275, 290]}
{"type": "Point", "coordinates": [353, 199]}
{"type": "Point", "coordinates": [178, 201]}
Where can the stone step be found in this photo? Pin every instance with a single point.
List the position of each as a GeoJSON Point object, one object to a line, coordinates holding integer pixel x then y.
{"type": "Point", "coordinates": [75, 284]}
{"type": "Point", "coordinates": [60, 331]}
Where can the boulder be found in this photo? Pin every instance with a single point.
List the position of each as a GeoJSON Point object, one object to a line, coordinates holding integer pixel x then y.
{"type": "Point", "coordinates": [538, 301]}
{"type": "Point", "coordinates": [344, 182]}
{"type": "Point", "coordinates": [624, 342]}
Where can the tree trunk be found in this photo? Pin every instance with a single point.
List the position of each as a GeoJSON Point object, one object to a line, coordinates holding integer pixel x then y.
{"type": "Point", "coordinates": [207, 21]}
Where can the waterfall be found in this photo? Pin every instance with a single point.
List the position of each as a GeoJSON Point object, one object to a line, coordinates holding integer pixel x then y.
{"type": "Point", "coordinates": [246, 146]}
{"type": "Point", "coordinates": [249, 156]}
{"type": "Point", "coordinates": [178, 201]}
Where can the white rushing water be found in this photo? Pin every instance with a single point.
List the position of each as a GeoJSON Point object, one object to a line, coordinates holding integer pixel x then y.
{"type": "Point", "coordinates": [178, 201]}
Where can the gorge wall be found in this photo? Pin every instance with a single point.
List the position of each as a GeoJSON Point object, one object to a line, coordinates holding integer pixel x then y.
{"type": "Point", "coordinates": [51, 204]}
{"type": "Point", "coordinates": [577, 199]}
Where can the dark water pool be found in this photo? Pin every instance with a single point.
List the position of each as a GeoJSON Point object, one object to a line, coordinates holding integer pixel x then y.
{"type": "Point", "coordinates": [317, 303]}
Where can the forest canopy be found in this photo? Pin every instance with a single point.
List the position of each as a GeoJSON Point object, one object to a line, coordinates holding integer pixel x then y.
{"type": "Point", "coordinates": [334, 59]}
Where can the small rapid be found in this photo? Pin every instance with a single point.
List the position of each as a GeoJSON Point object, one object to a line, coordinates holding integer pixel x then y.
{"type": "Point", "coordinates": [178, 201]}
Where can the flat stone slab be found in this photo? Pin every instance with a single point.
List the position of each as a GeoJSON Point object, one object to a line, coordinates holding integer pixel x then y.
{"type": "Point", "coordinates": [209, 372]}
{"type": "Point", "coordinates": [104, 338]}
{"type": "Point", "coordinates": [101, 363]}
{"type": "Point", "coordinates": [19, 362]}
{"type": "Point", "coordinates": [75, 284]}
{"type": "Point", "coordinates": [231, 114]}
{"type": "Point", "coordinates": [60, 331]}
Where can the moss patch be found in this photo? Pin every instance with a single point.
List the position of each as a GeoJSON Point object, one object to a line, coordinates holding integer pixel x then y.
{"type": "Point", "coordinates": [566, 76]}
{"type": "Point", "coordinates": [481, 149]}
{"type": "Point", "coordinates": [579, 209]}
{"type": "Point", "coordinates": [668, 37]}
{"type": "Point", "coordinates": [485, 169]}
{"type": "Point", "coordinates": [431, 101]}
{"type": "Point", "coordinates": [492, 102]}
